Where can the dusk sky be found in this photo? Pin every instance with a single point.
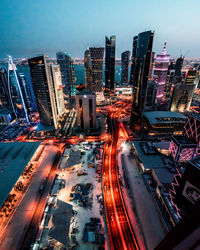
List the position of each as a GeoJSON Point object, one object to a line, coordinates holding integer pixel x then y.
{"type": "Point", "coordinates": [32, 27]}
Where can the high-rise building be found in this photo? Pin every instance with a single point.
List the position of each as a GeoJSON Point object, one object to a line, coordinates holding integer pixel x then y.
{"type": "Point", "coordinates": [58, 88]}
{"type": "Point", "coordinates": [151, 65]}
{"type": "Point", "coordinates": [133, 60]}
{"type": "Point", "coordinates": [110, 62]}
{"type": "Point", "coordinates": [71, 75]}
{"type": "Point", "coordinates": [160, 73]}
{"type": "Point", "coordinates": [96, 54]}
{"type": "Point", "coordinates": [27, 91]}
{"type": "Point", "coordinates": [178, 66]}
{"type": "Point", "coordinates": [4, 92]}
{"type": "Point", "coordinates": [151, 95]}
{"type": "Point", "coordinates": [141, 59]}
{"type": "Point", "coordinates": [67, 73]}
{"type": "Point", "coordinates": [44, 91]}
{"type": "Point", "coordinates": [61, 60]}
{"type": "Point", "coordinates": [183, 92]}
{"type": "Point", "coordinates": [17, 94]}
{"type": "Point", "coordinates": [86, 110]}
{"type": "Point", "coordinates": [125, 56]}
{"type": "Point", "coordinates": [88, 69]}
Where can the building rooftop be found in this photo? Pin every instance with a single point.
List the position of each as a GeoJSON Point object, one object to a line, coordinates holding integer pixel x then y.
{"type": "Point", "coordinates": [14, 157]}
{"type": "Point", "coordinates": [183, 140]}
{"type": "Point", "coordinates": [85, 92]}
{"type": "Point", "coordinates": [5, 111]}
{"type": "Point", "coordinates": [41, 127]}
{"type": "Point", "coordinates": [74, 159]}
{"type": "Point", "coordinates": [154, 162]}
{"type": "Point", "coordinates": [196, 162]}
{"type": "Point", "coordinates": [164, 117]}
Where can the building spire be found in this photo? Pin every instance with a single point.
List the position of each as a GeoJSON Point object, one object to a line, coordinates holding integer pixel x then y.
{"type": "Point", "coordinates": [164, 49]}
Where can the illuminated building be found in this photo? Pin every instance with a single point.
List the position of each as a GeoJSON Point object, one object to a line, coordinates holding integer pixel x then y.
{"type": "Point", "coordinates": [182, 148]}
{"type": "Point", "coordinates": [192, 129]}
{"type": "Point", "coordinates": [123, 90]}
{"type": "Point", "coordinates": [27, 91]}
{"type": "Point", "coordinates": [110, 62]}
{"type": "Point", "coordinates": [58, 88]}
{"type": "Point", "coordinates": [44, 91]}
{"type": "Point", "coordinates": [67, 73]}
{"type": "Point", "coordinates": [86, 110]}
{"type": "Point", "coordinates": [4, 93]}
{"type": "Point", "coordinates": [187, 191]}
{"type": "Point", "coordinates": [151, 94]}
{"type": "Point", "coordinates": [183, 92]}
{"type": "Point", "coordinates": [88, 69]}
{"type": "Point", "coordinates": [140, 71]}
{"type": "Point", "coordinates": [16, 92]}
{"type": "Point", "coordinates": [160, 73]}
{"type": "Point", "coordinates": [125, 56]}
{"type": "Point", "coordinates": [163, 123]}
{"type": "Point", "coordinates": [96, 54]}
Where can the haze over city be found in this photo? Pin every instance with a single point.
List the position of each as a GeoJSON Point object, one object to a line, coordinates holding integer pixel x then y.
{"type": "Point", "coordinates": [33, 27]}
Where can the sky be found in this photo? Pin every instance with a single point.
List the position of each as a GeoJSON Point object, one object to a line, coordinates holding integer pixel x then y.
{"type": "Point", "coordinates": [31, 27]}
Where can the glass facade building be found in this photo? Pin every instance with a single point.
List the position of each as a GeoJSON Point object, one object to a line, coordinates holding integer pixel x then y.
{"type": "Point", "coordinates": [110, 62]}
{"type": "Point", "coordinates": [125, 56]}
{"type": "Point", "coordinates": [96, 54]}
{"type": "Point", "coordinates": [141, 58]}
{"type": "Point", "coordinates": [43, 89]}
{"type": "Point", "coordinates": [67, 73]}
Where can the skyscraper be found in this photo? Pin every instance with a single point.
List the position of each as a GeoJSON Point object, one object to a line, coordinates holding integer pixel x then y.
{"type": "Point", "coordinates": [58, 89]}
{"type": "Point", "coordinates": [27, 91]}
{"type": "Point", "coordinates": [88, 69]}
{"type": "Point", "coordinates": [160, 73]}
{"type": "Point", "coordinates": [151, 65]}
{"type": "Point", "coordinates": [150, 95]}
{"type": "Point", "coordinates": [133, 60]}
{"type": "Point", "coordinates": [43, 88]}
{"type": "Point", "coordinates": [4, 93]}
{"type": "Point", "coordinates": [67, 73]}
{"type": "Point", "coordinates": [16, 92]}
{"type": "Point", "coordinates": [183, 92]}
{"type": "Point", "coordinates": [178, 66]}
{"type": "Point", "coordinates": [71, 75]}
{"type": "Point", "coordinates": [96, 54]}
{"type": "Point", "coordinates": [125, 56]}
{"type": "Point", "coordinates": [142, 48]}
{"type": "Point", "coordinates": [110, 63]}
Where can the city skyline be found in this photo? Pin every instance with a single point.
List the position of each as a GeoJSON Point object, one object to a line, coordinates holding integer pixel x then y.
{"type": "Point", "coordinates": [74, 29]}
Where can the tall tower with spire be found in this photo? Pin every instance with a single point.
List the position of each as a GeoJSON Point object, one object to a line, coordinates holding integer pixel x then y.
{"type": "Point", "coordinates": [160, 72]}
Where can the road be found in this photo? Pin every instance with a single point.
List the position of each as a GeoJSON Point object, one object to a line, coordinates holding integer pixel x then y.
{"type": "Point", "coordinates": [34, 224]}
{"type": "Point", "coordinates": [121, 235]}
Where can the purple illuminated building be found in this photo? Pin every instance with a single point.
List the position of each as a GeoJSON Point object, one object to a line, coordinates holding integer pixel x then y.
{"type": "Point", "coordinates": [160, 73]}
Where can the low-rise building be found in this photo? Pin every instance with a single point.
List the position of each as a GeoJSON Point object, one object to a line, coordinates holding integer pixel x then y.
{"type": "Point", "coordinates": [163, 123]}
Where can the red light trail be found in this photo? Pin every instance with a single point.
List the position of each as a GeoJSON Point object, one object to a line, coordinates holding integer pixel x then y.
{"type": "Point", "coordinates": [120, 231]}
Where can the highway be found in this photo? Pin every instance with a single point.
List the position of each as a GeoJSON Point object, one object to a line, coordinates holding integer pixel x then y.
{"type": "Point", "coordinates": [121, 235]}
